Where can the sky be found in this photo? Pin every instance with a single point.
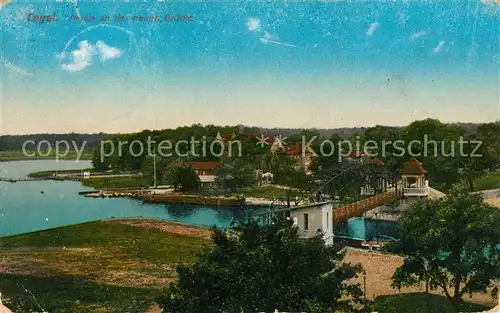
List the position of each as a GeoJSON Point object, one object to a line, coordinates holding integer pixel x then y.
{"type": "Point", "coordinates": [293, 64]}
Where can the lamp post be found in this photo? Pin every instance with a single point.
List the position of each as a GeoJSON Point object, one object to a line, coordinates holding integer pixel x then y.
{"type": "Point", "coordinates": [364, 289]}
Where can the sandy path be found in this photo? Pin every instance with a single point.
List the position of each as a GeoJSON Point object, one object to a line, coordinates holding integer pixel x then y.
{"type": "Point", "coordinates": [169, 227]}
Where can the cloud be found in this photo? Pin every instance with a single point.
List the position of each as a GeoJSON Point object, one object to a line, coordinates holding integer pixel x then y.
{"type": "Point", "coordinates": [106, 52]}
{"type": "Point", "coordinates": [439, 46]}
{"type": "Point", "coordinates": [14, 68]}
{"type": "Point", "coordinates": [253, 24]}
{"type": "Point", "coordinates": [82, 57]}
{"type": "Point", "coordinates": [373, 27]}
{"type": "Point", "coordinates": [417, 35]}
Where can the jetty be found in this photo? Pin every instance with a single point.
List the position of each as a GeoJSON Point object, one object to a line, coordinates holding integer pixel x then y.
{"type": "Point", "coordinates": [29, 179]}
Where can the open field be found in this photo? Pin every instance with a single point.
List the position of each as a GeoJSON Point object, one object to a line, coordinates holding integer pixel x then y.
{"type": "Point", "coordinates": [490, 181]}
{"type": "Point", "coordinates": [93, 267]}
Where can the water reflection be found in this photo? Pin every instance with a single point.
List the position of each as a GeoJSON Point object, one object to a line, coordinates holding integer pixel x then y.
{"type": "Point", "coordinates": [24, 208]}
{"type": "Point", "coordinates": [366, 229]}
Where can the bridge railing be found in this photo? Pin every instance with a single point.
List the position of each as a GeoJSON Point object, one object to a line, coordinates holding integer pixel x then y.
{"type": "Point", "coordinates": [360, 207]}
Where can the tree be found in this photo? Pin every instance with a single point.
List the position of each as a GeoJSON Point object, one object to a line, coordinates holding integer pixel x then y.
{"type": "Point", "coordinates": [438, 149]}
{"type": "Point", "coordinates": [235, 174]}
{"type": "Point", "coordinates": [182, 178]}
{"type": "Point", "coordinates": [147, 168]}
{"type": "Point", "coordinates": [99, 162]}
{"type": "Point", "coordinates": [474, 163]}
{"type": "Point", "coordinates": [489, 134]}
{"type": "Point", "coordinates": [260, 269]}
{"type": "Point", "coordinates": [450, 243]}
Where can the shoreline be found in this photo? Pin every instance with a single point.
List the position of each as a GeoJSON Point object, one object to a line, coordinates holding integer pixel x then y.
{"type": "Point", "coordinates": [146, 222]}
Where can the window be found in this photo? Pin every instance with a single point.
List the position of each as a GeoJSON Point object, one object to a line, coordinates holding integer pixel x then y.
{"type": "Point", "coordinates": [306, 221]}
{"type": "Point", "coordinates": [327, 219]}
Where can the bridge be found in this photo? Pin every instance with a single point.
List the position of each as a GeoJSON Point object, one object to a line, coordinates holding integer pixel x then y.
{"type": "Point", "coordinates": [358, 208]}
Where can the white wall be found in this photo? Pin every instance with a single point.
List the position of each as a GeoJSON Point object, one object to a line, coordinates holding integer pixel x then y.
{"type": "Point", "coordinates": [327, 212]}
{"type": "Point", "coordinates": [320, 218]}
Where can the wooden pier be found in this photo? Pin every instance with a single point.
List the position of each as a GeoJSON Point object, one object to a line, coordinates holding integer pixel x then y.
{"type": "Point", "coordinates": [29, 179]}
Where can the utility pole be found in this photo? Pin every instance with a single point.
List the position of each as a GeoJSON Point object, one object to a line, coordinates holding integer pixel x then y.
{"type": "Point", "coordinates": [154, 170]}
{"type": "Point", "coordinates": [364, 290]}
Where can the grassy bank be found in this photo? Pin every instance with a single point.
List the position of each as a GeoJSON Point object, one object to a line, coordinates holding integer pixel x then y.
{"type": "Point", "coordinates": [490, 181]}
{"type": "Point", "coordinates": [92, 267]}
{"type": "Point", "coordinates": [51, 172]}
{"type": "Point", "coordinates": [17, 155]}
{"type": "Point", "coordinates": [266, 192]}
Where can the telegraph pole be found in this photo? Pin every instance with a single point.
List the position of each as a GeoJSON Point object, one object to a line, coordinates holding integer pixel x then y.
{"type": "Point", "coordinates": [154, 170]}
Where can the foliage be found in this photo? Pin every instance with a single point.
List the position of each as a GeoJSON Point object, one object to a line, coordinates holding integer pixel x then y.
{"type": "Point", "coordinates": [19, 155]}
{"type": "Point", "coordinates": [16, 142]}
{"type": "Point", "coordinates": [420, 303]}
{"type": "Point", "coordinates": [451, 244]}
{"type": "Point", "coordinates": [235, 174]}
{"type": "Point", "coordinates": [183, 178]}
{"type": "Point", "coordinates": [439, 152]}
{"type": "Point", "coordinates": [489, 134]}
{"type": "Point", "coordinates": [147, 169]}
{"type": "Point", "coordinates": [263, 268]}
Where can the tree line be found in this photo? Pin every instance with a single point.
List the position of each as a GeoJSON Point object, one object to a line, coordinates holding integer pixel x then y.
{"type": "Point", "coordinates": [445, 169]}
{"type": "Point", "coordinates": [16, 142]}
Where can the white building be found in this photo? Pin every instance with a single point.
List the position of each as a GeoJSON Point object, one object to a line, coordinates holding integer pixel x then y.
{"type": "Point", "coordinates": [313, 219]}
{"type": "Point", "coordinates": [310, 219]}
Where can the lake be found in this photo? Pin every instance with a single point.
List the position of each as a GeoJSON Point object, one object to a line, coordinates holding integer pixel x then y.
{"type": "Point", "coordinates": [24, 208]}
